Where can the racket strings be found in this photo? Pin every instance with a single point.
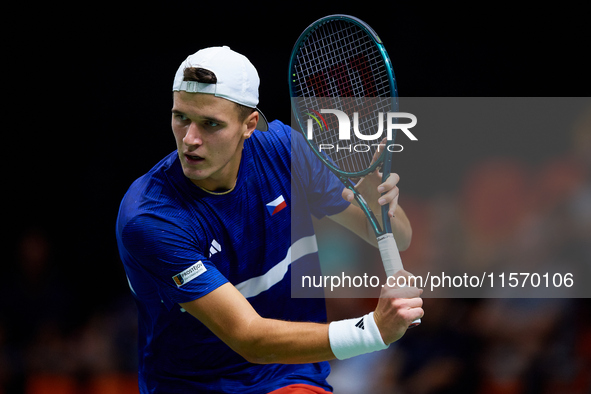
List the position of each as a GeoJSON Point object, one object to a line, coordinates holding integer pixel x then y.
{"type": "Point", "coordinates": [338, 66]}
{"type": "Point", "coordinates": [336, 53]}
{"type": "Point", "coordinates": [355, 154]}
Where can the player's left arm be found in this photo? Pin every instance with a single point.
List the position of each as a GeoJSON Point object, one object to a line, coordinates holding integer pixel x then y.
{"type": "Point", "coordinates": [376, 194]}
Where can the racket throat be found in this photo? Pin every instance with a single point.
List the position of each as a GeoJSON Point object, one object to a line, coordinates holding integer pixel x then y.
{"type": "Point", "coordinates": [373, 220]}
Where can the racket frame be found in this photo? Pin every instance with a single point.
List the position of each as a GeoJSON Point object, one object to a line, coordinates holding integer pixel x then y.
{"type": "Point", "coordinates": [386, 242]}
{"type": "Point", "coordinates": [385, 159]}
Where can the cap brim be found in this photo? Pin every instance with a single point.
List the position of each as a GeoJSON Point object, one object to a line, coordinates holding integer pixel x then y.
{"type": "Point", "coordinates": [262, 125]}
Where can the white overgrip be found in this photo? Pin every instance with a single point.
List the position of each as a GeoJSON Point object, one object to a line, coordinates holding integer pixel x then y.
{"type": "Point", "coordinates": [391, 259]}
{"type": "Point", "coordinates": [390, 254]}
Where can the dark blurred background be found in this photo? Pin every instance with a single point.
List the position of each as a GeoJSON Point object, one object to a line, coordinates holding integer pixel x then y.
{"type": "Point", "coordinates": [91, 114]}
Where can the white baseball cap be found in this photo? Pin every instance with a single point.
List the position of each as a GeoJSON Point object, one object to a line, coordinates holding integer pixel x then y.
{"type": "Point", "coordinates": [237, 79]}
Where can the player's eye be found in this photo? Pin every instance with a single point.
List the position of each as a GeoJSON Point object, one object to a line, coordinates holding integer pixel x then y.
{"type": "Point", "coordinates": [181, 117]}
{"type": "Point", "coordinates": [211, 123]}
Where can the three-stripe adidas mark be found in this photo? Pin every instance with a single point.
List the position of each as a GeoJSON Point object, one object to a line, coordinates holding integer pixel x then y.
{"type": "Point", "coordinates": [214, 248]}
{"type": "Point", "coordinates": [360, 324]}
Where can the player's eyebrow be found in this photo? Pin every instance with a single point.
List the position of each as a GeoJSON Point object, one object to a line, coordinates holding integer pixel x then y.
{"type": "Point", "coordinates": [177, 112]}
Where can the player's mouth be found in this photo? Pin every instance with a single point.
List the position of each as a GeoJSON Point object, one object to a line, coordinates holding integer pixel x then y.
{"type": "Point", "coordinates": [193, 159]}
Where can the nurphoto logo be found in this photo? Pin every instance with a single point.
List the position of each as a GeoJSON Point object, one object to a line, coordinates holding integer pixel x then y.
{"type": "Point", "coordinates": [352, 137]}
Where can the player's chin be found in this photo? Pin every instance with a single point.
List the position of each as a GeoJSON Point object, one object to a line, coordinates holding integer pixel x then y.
{"type": "Point", "coordinates": [193, 173]}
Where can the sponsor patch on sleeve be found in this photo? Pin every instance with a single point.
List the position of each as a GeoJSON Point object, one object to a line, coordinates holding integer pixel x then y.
{"type": "Point", "coordinates": [189, 274]}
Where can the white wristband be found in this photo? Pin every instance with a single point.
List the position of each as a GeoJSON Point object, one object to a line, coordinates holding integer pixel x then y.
{"type": "Point", "coordinates": [352, 337]}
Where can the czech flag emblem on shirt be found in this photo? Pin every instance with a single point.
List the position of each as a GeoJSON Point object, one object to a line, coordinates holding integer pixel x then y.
{"type": "Point", "coordinates": [276, 205]}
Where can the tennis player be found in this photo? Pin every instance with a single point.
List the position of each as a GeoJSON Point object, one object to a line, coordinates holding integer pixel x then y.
{"type": "Point", "coordinates": [207, 245]}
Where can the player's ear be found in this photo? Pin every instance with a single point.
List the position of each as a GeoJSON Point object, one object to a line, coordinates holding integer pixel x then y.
{"type": "Point", "coordinates": [251, 124]}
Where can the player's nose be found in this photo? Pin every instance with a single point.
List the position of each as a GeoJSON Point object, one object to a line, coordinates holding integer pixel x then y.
{"type": "Point", "coordinates": [193, 136]}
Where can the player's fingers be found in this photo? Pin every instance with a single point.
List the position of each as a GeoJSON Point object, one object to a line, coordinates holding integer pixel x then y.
{"type": "Point", "coordinates": [348, 195]}
{"type": "Point", "coordinates": [392, 290]}
{"type": "Point", "coordinates": [389, 196]}
{"type": "Point", "coordinates": [415, 302]}
{"type": "Point", "coordinates": [393, 206]}
{"type": "Point", "coordinates": [405, 278]}
{"type": "Point", "coordinates": [413, 314]}
{"type": "Point", "coordinates": [389, 183]}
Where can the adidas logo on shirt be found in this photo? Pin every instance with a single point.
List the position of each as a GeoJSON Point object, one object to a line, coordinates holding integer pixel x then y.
{"type": "Point", "coordinates": [214, 248]}
{"type": "Point", "coordinates": [360, 324]}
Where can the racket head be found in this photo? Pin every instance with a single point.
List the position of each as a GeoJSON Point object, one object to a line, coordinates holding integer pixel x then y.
{"type": "Point", "coordinates": [339, 62]}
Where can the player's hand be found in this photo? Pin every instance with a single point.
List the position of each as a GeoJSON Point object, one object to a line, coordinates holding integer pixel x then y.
{"type": "Point", "coordinates": [372, 188]}
{"type": "Point", "coordinates": [397, 308]}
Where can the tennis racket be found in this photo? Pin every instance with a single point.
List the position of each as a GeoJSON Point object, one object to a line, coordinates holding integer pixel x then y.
{"type": "Point", "coordinates": [339, 63]}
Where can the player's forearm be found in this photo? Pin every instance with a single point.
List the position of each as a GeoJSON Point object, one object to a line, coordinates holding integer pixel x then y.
{"type": "Point", "coordinates": [269, 341]}
{"type": "Point", "coordinates": [259, 340]}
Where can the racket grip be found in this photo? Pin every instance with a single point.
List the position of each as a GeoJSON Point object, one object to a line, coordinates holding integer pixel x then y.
{"type": "Point", "coordinates": [391, 260]}
{"type": "Point", "coordinates": [390, 254]}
